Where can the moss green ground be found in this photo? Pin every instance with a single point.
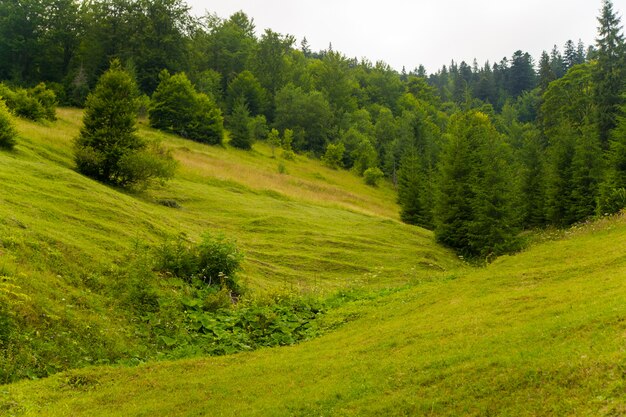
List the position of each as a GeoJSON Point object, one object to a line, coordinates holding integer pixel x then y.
{"type": "Point", "coordinates": [539, 333]}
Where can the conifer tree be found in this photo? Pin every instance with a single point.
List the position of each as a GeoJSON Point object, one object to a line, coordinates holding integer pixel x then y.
{"type": "Point", "coordinates": [239, 124]}
{"type": "Point", "coordinates": [108, 148]}
{"type": "Point", "coordinates": [613, 189]}
{"type": "Point", "coordinates": [610, 72]}
{"type": "Point", "coordinates": [473, 211]}
{"type": "Point", "coordinates": [559, 174]}
{"type": "Point", "coordinates": [412, 190]}
{"type": "Point", "coordinates": [532, 181]}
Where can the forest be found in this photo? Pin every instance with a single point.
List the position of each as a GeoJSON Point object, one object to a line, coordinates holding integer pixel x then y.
{"type": "Point", "coordinates": [478, 153]}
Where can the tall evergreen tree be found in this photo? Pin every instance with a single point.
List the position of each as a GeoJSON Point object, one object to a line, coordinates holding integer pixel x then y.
{"type": "Point", "coordinates": [613, 189]}
{"type": "Point", "coordinates": [239, 124]}
{"type": "Point", "coordinates": [610, 72]}
{"type": "Point", "coordinates": [473, 210]}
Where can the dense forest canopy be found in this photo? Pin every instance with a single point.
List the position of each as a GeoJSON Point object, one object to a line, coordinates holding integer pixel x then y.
{"type": "Point", "coordinates": [478, 151]}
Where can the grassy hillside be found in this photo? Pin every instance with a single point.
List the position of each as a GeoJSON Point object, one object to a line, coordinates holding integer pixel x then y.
{"type": "Point", "coordinates": [69, 246]}
{"type": "Point", "coordinates": [540, 333]}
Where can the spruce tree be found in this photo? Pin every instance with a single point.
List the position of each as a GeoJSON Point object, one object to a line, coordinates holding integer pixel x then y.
{"type": "Point", "coordinates": [532, 187]}
{"type": "Point", "coordinates": [239, 124]}
{"type": "Point", "coordinates": [109, 126]}
{"type": "Point", "coordinates": [613, 189]}
{"type": "Point", "coordinates": [108, 148]}
{"type": "Point", "coordinates": [473, 210]}
{"type": "Point", "coordinates": [412, 190]}
{"type": "Point", "coordinates": [586, 174]}
{"type": "Point", "coordinates": [559, 184]}
{"type": "Point", "coordinates": [609, 74]}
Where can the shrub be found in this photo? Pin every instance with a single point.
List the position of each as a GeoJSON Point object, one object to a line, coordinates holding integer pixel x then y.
{"type": "Point", "coordinates": [372, 176]}
{"type": "Point", "coordinates": [48, 100]}
{"type": "Point", "coordinates": [36, 104]}
{"type": "Point", "coordinates": [177, 107]}
{"type": "Point", "coordinates": [334, 155]}
{"type": "Point", "coordinates": [7, 130]}
{"type": "Point", "coordinates": [288, 153]}
{"type": "Point", "coordinates": [214, 261]}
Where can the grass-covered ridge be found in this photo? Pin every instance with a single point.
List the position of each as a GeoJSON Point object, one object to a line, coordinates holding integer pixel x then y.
{"type": "Point", "coordinates": [540, 333]}
{"type": "Point", "coordinates": [71, 248]}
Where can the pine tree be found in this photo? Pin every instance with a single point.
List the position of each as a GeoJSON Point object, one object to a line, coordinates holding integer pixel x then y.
{"type": "Point", "coordinates": [239, 124]}
{"type": "Point", "coordinates": [412, 190]}
{"type": "Point", "coordinates": [610, 72]}
{"type": "Point", "coordinates": [586, 174]}
{"type": "Point", "coordinates": [613, 189]}
{"type": "Point", "coordinates": [559, 183]}
{"type": "Point", "coordinates": [473, 211]}
{"type": "Point", "coordinates": [108, 148]}
{"type": "Point", "coordinates": [546, 73]}
{"type": "Point", "coordinates": [532, 190]}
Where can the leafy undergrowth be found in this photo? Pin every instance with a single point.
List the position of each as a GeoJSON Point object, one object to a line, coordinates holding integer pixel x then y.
{"type": "Point", "coordinates": [77, 290]}
{"type": "Point", "coordinates": [539, 333]}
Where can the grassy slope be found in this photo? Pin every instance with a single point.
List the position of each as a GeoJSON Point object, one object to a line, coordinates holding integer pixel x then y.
{"type": "Point", "coordinates": [63, 237]}
{"type": "Point", "coordinates": [311, 226]}
{"type": "Point", "coordinates": [540, 333]}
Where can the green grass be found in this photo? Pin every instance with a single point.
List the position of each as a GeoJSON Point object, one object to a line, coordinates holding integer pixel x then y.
{"type": "Point", "coordinates": [68, 241]}
{"type": "Point", "coordinates": [539, 333]}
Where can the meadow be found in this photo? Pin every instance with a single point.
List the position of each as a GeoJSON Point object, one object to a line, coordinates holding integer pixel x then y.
{"type": "Point", "coordinates": [541, 332]}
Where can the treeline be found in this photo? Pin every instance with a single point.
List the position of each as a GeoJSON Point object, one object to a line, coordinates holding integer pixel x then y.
{"type": "Point", "coordinates": [478, 153]}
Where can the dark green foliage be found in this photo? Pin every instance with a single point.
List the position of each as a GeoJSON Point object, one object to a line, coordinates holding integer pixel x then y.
{"type": "Point", "coordinates": [8, 133]}
{"type": "Point", "coordinates": [473, 210]}
{"type": "Point", "coordinates": [177, 107]}
{"type": "Point", "coordinates": [48, 100]}
{"type": "Point", "coordinates": [532, 181]}
{"type": "Point", "coordinates": [240, 126]}
{"type": "Point", "coordinates": [307, 114]}
{"type": "Point", "coordinates": [35, 104]}
{"type": "Point", "coordinates": [214, 261]}
{"type": "Point", "coordinates": [259, 128]}
{"type": "Point", "coordinates": [613, 189]}
{"type": "Point", "coordinates": [108, 148]}
{"type": "Point", "coordinates": [227, 331]}
{"type": "Point", "coordinates": [559, 176]}
{"type": "Point", "coordinates": [413, 191]}
{"type": "Point", "coordinates": [246, 86]}
{"type": "Point", "coordinates": [610, 72]}
{"type": "Point", "coordinates": [586, 174]}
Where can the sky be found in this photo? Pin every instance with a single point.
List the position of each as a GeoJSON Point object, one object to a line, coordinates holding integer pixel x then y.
{"type": "Point", "coordinates": [407, 33]}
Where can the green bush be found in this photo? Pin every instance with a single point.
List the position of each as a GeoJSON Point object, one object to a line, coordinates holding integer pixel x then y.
{"type": "Point", "coordinates": [177, 107]}
{"type": "Point", "coordinates": [48, 100]}
{"type": "Point", "coordinates": [37, 104]}
{"type": "Point", "coordinates": [333, 158]}
{"type": "Point", "coordinates": [7, 130]}
{"type": "Point", "coordinates": [214, 261]}
{"type": "Point", "coordinates": [372, 176]}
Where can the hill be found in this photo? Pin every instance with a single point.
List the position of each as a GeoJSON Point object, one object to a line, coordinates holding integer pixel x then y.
{"type": "Point", "coordinates": [71, 245]}
{"type": "Point", "coordinates": [540, 333]}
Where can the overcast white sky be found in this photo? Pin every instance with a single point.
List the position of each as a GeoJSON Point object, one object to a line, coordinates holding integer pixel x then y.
{"type": "Point", "coordinates": [429, 32]}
